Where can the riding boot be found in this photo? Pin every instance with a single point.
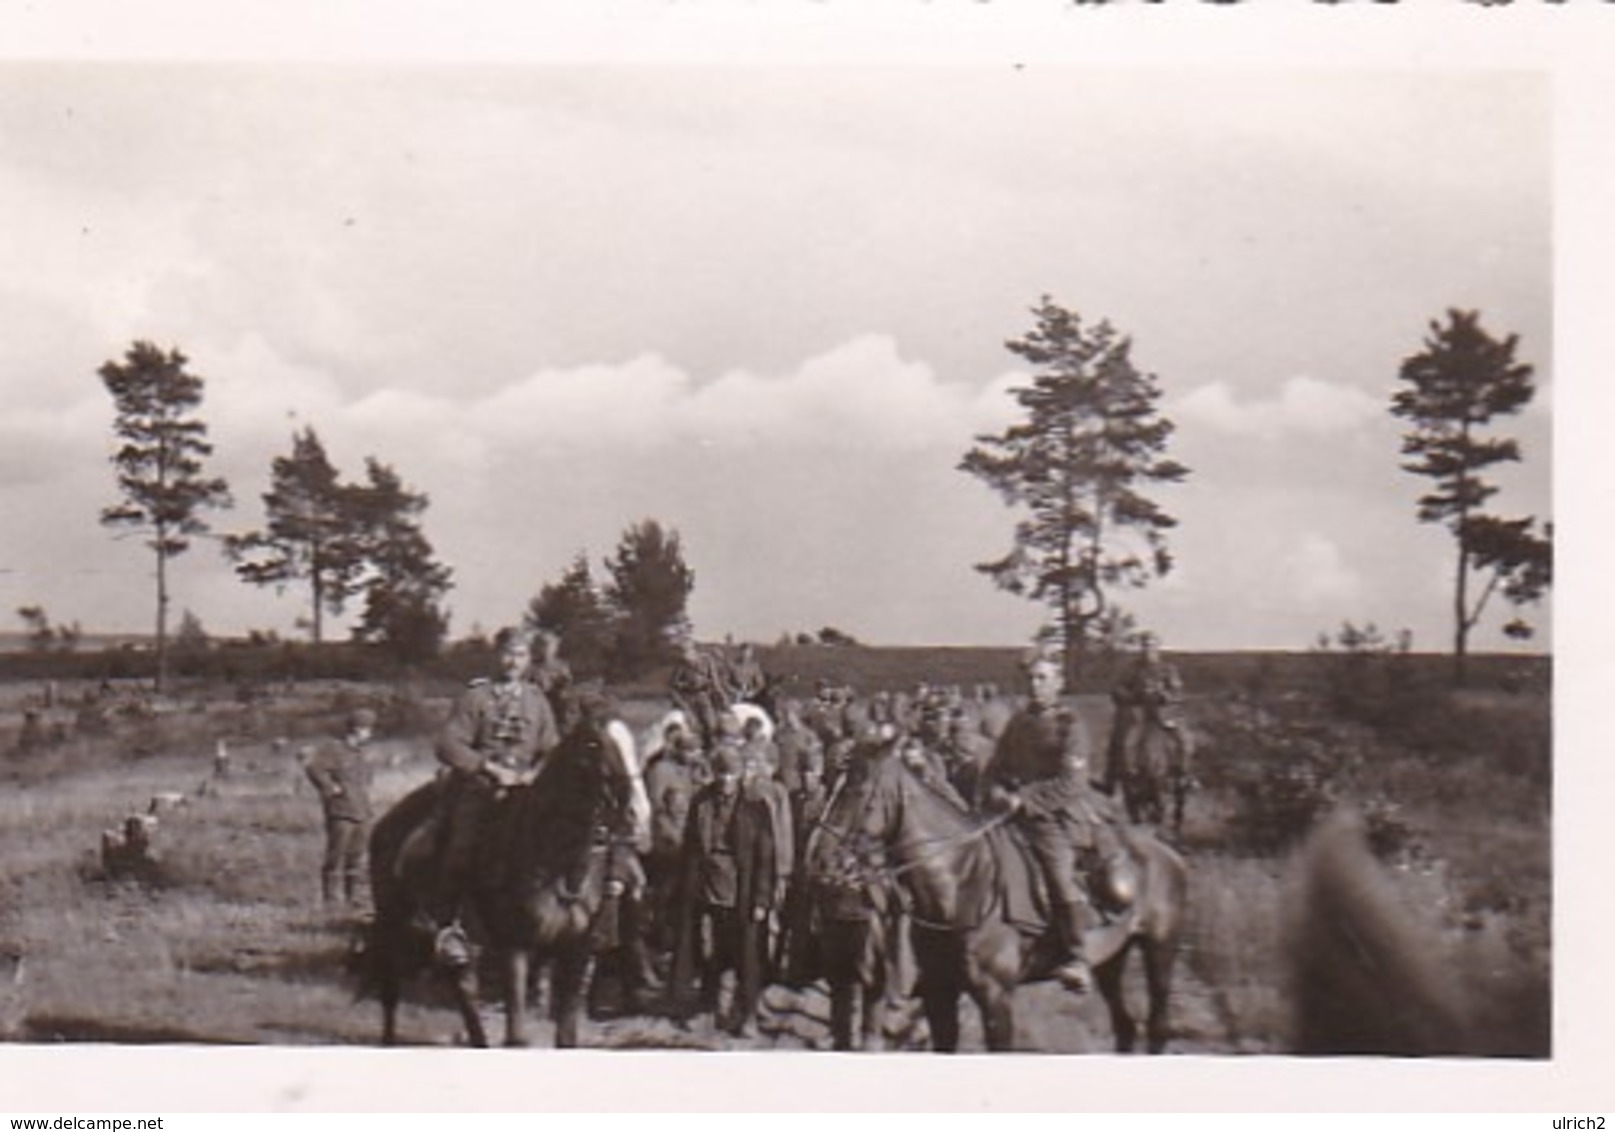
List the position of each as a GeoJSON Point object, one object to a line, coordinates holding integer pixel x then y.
{"type": "Point", "coordinates": [1073, 972]}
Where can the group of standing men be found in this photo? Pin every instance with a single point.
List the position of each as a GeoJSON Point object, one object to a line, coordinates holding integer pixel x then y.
{"type": "Point", "coordinates": [726, 832]}
{"type": "Point", "coordinates": [733, 800]}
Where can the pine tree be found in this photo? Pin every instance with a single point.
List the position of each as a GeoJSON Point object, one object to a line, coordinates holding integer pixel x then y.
{"type": "Point", "coordinates": [575, 608]}
{"type": "Point", "coordinates": [1462, 381]}
{"type": "Point", "coordinates": [650, 591]}
{"type": "Point", "coordinates": [309, 536]}
{"type": "Point", "coordinates": [1092, 439]}
{"type": "Point", "coordinates": [403, 583]}
{"type": "Point", "coordinates": [160, 463]}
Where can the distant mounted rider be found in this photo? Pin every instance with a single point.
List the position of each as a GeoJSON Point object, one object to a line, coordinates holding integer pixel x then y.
{"type": "Point", "coordinates": [553, 675]}
{"type": "Point", "coordinates": [746, 679]}
{"type": "Point", "coordinates": [1149, 695]}
{"type": "Point", "coordinates": [700, 687]}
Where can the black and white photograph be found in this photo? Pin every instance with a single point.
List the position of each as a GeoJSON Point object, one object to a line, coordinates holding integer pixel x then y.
{"type": "Point", "coordinates": [863, 554]}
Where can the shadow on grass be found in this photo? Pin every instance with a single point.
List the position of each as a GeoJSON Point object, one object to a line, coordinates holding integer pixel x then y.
{"type": "Point", "coordinates": [67, 1028]}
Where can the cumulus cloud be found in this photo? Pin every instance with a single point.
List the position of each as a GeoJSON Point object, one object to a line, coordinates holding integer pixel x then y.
{"type": "Point", "coordinates": [38, 446]}
{"type": "Point", "coordinates": [1303, 405]}
{"type": "Point", "coordinates": [1316, 571]}
{"type": "Point", "coordinates": [861, 393]}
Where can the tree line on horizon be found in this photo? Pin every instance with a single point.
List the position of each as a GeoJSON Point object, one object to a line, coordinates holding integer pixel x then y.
{"type": "Point", "coordinates": [1082, 463]}
{"type": "Point", "coordinates": [1091, 445]}
{"type": "Point", "coordinates": [342, 541]}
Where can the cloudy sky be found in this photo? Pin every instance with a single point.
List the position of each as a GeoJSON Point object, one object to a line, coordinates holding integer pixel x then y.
{"type": "Point", "coordinates": [765, 305]}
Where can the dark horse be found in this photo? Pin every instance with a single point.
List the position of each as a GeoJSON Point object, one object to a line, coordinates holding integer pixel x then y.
{"type": "Point", "coordinates": [966, 884]}
{"type": "Point", "coordinates": [547, 861]}
{"type": "Point", "coordinates": [1155, 775]}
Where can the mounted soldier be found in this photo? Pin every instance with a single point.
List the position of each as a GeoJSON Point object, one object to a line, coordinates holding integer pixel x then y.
{"type": "Point", "coordinates": [1148, 696]}
{"type": "Point", "coordinates": [553, 676]}
{"type": "Point", "coordinates": [699, 686]}
{"type": "Point", "coordinates": [746, 679]}
{"type": "Point", "coordinates": [496, 737]}
{"type": "Point", "coordinates": [1039, 772]}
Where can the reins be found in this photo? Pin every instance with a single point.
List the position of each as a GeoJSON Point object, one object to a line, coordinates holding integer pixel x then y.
{"type": "Point", "coordinates": [918, 852]}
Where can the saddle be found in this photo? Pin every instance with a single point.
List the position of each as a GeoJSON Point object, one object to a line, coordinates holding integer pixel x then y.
{"type": "Point", "coordinates": [416, 858]}
{"type": "Point", "coordinates": [1111, 883]}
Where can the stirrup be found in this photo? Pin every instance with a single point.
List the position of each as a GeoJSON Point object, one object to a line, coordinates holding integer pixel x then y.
{"type": "Point", "coordinates": [451, 947]}
{"type": "Point", "coordinates": [1075, 976]}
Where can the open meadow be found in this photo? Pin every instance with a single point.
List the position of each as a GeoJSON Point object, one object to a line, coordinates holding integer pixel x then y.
{"type": "Point", "coordinates": [223, 940]}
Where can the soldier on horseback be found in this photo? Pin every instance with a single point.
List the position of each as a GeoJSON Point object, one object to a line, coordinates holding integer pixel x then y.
{"type": "Point", "coordinates": [1149, 695]}
{"type": "Point", "coordinates": [746, 678]}
{"type": "Point", "coordinates": [1039, 772]}
{"type": "Point", "coordinates": [553, 675]}
{"type": "Point", "coordinates": [495, 738]}
{"type": "Point", "coordinates": [699, 686]}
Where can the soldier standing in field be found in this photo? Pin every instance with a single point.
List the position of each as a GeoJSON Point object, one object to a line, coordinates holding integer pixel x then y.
{"type": "Point", "coordinates": [496, 737]}
{"type": "Point", "coordinates": [341, 773]}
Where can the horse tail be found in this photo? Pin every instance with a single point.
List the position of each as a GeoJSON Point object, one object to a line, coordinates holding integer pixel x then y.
{"type": "Point", "coordinates": [639, 807]}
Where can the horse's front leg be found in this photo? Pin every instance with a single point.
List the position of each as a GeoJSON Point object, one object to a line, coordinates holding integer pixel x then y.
{"type": "Point", "coordinates": [992, 971]}
{"type": "Point", "coordinates": [1108, 977]}
{"type": "Point", "coordinates": [567, 976]}
{"type": "Point", "coordinates": [939, 959]}
{"type": "Point", "coordinates": [465, 996]}
{"type": "Point", "coordinates": [389, 993]}
{"type": "Point", "coordinates": [1159, 955]}
{"type": "Point", "coordinates": [873, 1027]}
{"type": "Point", "coordinates": [517, 963]}
{"type": "Point", "coordinates": [842, 992]}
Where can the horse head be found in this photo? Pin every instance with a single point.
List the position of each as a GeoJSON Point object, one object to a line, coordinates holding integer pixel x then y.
{"type": "Point", "coordinates": [907, 831]}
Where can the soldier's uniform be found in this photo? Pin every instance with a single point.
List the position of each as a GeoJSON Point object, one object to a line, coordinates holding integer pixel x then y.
{"type": "Point", "coordinates": [745, 678]}
{"type": "Point", "coordinates": [506, 723]}
{"type": "Point", "coordinates": [553, 677]}
{"type": "Point", "coordinates": [341, 776]}
{"type": "Point", "coordinates": [1042, 759]}
{"type": "Point", "coordinates": [671, 780]}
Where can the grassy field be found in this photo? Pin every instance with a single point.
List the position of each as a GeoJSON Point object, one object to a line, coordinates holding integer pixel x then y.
{"type": "Point", "coordinates": [229, 945]}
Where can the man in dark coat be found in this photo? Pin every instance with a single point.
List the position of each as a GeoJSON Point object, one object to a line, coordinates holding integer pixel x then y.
{"type": "Point", "coordinates": [726, 892]}
{"type": "Point", "coordinates": [341, 776]}
{"type": "Point", "coordinates": [1039, 772]}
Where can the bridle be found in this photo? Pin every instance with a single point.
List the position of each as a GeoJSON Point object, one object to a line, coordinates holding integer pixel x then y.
{"type": "Point", "coordinates": [913, 853]}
